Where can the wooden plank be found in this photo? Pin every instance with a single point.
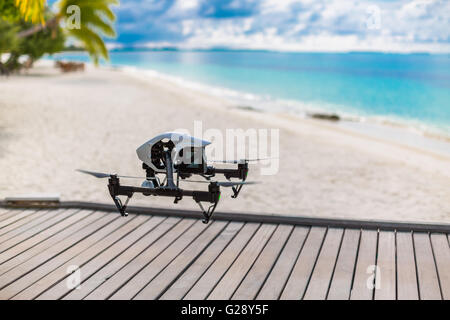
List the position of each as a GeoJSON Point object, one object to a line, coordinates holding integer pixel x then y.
{"type": "Point", "coordinates": [233, 277]}
{"type": "Point", "coordinates": [109, 246]}
{"type": "Point", "coordinates": [170, 269]}
{"type": "Point", "coordinates": [185, 282]}
{"type": "Point", "coordinates": [322, 274]}
{"type": "Point", "coordinates": [32, 241]}
{"type": "Point", "coordinates": [15, 216]}
{"type": "Point", "coordinates": [299, 277]}
{"type": "Point", "coordinates": [95, 242]}
{"type": "Point", "coordinates": [215, 272]}
{"type": "Point", "coordinates": [75, 242]}
{"type": "Point", "coordinates": [159, 283]}
{"type": "Point", "coordinates": [426, 269]}
{"type": "Point", "coordinates": [108, 270]}
{"type": "Point", "coordinates": [406, 268]}
{"type": "Point", "coordinates": [341, 283]}
{"type": "Point", "coordinates": [278, 277]}
{"type": "Point", "coordinates": [442, 258]}
{"type": "Point", "coordinates": [56, 217]}
{"type": "Point", "coordinates": [114, 283]}
{"type": "Point", "coordinates": [366, 260]}
{"type": "Point", "coordinates": [130, 289]}
{"type": "Point", "coordinates": [5, 213]}
{"type": "Point", "coordinates": [23, 224]}
{"type": "Point", "coordinates": [257, 275]}
{"type": "Point", "coordinates": [387, 266]}
{"type": "Point", "coordinates": [48, 238]}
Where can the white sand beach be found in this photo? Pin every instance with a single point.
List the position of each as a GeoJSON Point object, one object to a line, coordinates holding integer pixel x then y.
{"type": "Point", "coordinates": [52, 124]}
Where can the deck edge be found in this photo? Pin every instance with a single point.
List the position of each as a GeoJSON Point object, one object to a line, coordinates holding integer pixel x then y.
{"type": "Point", "coordinates": [268, 218]}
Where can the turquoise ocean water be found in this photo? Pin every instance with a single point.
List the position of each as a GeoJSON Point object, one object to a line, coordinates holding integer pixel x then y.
{"type": "Point", "coordinates": [410, 88]}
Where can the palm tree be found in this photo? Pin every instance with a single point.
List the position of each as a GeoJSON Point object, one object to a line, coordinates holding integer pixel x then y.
{"type": "Point", "coordinates": [96, 20]}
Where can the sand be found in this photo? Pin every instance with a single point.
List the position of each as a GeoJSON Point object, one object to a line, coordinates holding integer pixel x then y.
{"type": "Point", "coordinates": [52, 124]}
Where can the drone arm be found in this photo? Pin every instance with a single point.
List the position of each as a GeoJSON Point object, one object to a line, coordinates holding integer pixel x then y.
{"type": "Point", "coordinates": [239, 173]}
{"type": "Point", "coordinates": [211, 196]}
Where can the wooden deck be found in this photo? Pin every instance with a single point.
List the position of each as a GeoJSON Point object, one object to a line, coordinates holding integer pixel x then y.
{"type": "Point", "coordinates": [162, 256]}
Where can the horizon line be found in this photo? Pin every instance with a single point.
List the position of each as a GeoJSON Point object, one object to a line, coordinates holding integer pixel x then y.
{"type": "Point", "coordinates": [219, 48]}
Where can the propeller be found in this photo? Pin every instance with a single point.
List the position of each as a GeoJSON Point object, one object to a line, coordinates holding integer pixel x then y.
{"type": "Point", "coordinates": [225, 184]}
{"type": "Point", "coordinates": [101, 175]}
{"type": "Point", "coordinates": [241, 160]}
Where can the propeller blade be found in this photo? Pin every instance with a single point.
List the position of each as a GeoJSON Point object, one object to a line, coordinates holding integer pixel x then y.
{"type": "Point", "coordinates": [261, 159]}
{"type": "Point", "coordinates": [224, 183]}
{"type": "Point", "coordinates": [228, 184]}
{"type": "Point", "coordinates": [132, 177]}
{"type": "Point", "coordinates": [101, 175]}
{"type": "Point", "coordinates": [241, 160]}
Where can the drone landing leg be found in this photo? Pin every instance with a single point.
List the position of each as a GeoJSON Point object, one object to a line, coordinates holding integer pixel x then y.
{"type": "Point", "coordinates": [211, 196]}
{"type": "Point", "coordinates": [121, 207]}
{"type": "Point", "coordinates": [236, 191]}
{"type": "Point", "coordinates": [207, 214]}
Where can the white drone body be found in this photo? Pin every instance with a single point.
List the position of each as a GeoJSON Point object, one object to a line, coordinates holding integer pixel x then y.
{"type": "Point", "coordinates": [184, 146]}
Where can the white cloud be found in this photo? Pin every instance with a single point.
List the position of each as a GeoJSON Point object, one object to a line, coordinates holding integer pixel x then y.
{"type": "Point", "coordinates": [270, 6]}
{"type": "Point", "coordinates": [415, 9]}
{"type": "Point", "coordinates": [311, 25]}
{"type": "Point", "coordinates": [181, 7]}
{"type": "Point", "coordinates": [324, 42]}
{"type": "Point", "coordinates": [186, 4]}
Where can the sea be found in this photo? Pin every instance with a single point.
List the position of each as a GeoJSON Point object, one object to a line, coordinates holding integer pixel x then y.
{"type": "Point", "coordinates": [412, 90]}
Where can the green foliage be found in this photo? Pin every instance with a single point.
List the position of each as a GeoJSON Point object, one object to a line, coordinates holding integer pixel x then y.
{"type": "Point", "coordinates": [46, 41]}
{"type": "Point", "coordinates": [8, 38]}
{"type": "Point", "coordinates": [96, 20]}
{"type": "Point", "coordinates": [20, 36]}
{"type": "Point", "coordinates": [8, 11]}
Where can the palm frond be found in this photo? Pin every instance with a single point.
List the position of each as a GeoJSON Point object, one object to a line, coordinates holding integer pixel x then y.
{"type": "Point", "coordinates": [96, 20]}
{"type": "Point", "coordinates": [32, 10]}
{"type": "Point", "coordinates": [92, 42]}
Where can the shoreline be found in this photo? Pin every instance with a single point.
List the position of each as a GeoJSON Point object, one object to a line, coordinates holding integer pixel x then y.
{"type": "Point", "coordinates": [303, 110]}
{"type": "Point", "coordinates": [430, 141]}
{"type": "Point", "coordinates": [95, 120]}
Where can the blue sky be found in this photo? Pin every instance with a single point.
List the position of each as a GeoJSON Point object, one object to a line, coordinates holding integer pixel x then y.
{"type": "Point", "coordinates": [287, 25]}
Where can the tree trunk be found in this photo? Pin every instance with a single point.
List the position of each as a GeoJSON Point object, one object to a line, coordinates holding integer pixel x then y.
{"type": "Point", "coordinates": [12, 64]}
{"type": "Point", "coordinates": [3, 70]}
{"type": "Point", "coordinates": [35, 29]}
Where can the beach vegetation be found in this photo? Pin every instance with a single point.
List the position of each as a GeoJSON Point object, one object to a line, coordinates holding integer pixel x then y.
{"type": "Point", "coordinates": [30, 29]}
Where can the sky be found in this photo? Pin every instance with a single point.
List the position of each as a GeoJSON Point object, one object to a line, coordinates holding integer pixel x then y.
{"type": "Point", "coordinates": [287, 25]}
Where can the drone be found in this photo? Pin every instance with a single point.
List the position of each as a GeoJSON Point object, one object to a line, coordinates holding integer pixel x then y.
{"type": "Point", "coordinates": [176, 153]}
